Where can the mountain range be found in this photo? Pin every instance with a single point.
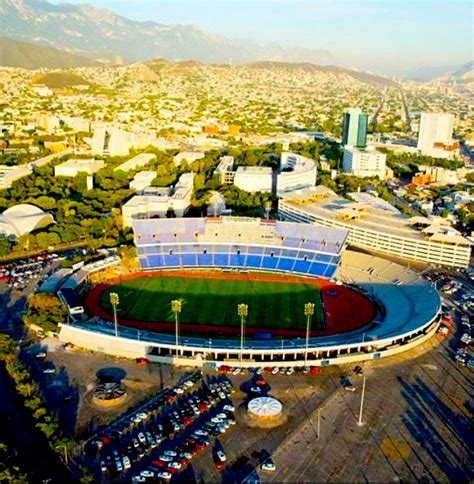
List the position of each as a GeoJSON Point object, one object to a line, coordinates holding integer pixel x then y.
{"type": "Point", "coordinates": [101, 34]}
{"type": "Point", "coordinates": [30, 56]}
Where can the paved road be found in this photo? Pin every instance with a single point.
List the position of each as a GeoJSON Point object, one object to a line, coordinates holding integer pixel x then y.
{"type": "Point", "coordinates": [418, 425]}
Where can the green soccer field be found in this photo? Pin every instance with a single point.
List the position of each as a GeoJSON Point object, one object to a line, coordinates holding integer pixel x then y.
{"type": "Point", "coordinates": [214, 301]}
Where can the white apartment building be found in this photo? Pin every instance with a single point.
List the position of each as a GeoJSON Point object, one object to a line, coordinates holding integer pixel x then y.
{"type": "Point", "coordinates": [435, 135]}
{"type": "Point", "coordinates": [254, 178]}
{"type": "Point", "coordinates": [112, 142]}
{"type": "Point", "coordinates": [377, 227]}
{"type": "Point", "coordinates": [157, 202]}
{"type": "Point", "coordinates": [74, 166]}
{"type": "Point", "coordinates": [142, 180]}
{"type": "Point", "coordinates": [364, 162]}
{"type": "Point", "coordinates": [136, 162]}
{"type": "Point", "coordinates": [225, 170]}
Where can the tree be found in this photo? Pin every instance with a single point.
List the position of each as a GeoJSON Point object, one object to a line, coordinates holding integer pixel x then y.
{"type": "Point", "coordinates": [7, 346]}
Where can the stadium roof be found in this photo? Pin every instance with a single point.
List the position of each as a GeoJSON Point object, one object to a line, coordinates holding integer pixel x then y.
{"type": "Point", "coordinates": [23, 219]}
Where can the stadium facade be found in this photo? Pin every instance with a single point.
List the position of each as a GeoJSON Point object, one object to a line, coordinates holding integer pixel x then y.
{"type": "Point", "coordinates": [408, 315]}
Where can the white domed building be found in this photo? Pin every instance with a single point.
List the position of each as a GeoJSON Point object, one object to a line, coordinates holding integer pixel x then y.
{"type": "Point", "coordinates": [22, 219]}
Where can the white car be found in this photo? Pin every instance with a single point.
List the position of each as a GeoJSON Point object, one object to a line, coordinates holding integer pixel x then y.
{"type": "Point", "coordinates": [138, 479]}
{"type": "Point", "coordinates": [175, 465]}
{"type": "Point", "coordinates": [221, 415]}
{"type": "Point", "coordinates": [221, 456]}
{"type": "Point", "coordinates": [142, 438]}
{"type": "Point", "coordinates": [275, 370]}
{"type": "Point", "coordinates": [165, 458]}
{"type": "Point", "coordinates": [164, 475]}
{"type": "Point", "coordinates": [236, 371]}
{"type": "Point", "coordinates": [188, 383]}
{"type": "Point", "coordinates": [147, 473]}
{"type": "Point", "coordinates": [49, 371]}
{"type": "Point", "coordinates": [171, 453]}
{"type": "Point", "coordinates": [126, 463]}
{"type": "Point", "coordinates": [142, 415]}
{"type": "Point", "coordinates": [290, 371]}
{"type": "Point", "coordinates": [268, 466]}
{"type": "Point", "coordinates": [201, 432]}
{"type": "Point", "coordinates": [229, 408]}
{"type": "Point", "coordinates": [179, 390]}
{"type": "Point", "coordinates": [103, 466]}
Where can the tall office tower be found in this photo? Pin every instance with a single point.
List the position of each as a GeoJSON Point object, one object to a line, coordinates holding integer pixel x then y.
{"type": "Point", "coordinates": [435, 135]}
{"type": "Point", "coordinates": [354, 128]}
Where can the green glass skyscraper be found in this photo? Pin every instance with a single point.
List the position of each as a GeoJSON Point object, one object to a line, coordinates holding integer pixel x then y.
{"type": "Point", "coordinates": [354, 128]}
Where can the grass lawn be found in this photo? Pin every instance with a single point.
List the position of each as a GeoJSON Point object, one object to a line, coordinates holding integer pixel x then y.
{"type": "Point", "coordinates": [214, 301]}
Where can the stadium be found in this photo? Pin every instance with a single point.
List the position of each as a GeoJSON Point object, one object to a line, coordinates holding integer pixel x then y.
{"type": "Point", "coordinates": [249, 292]}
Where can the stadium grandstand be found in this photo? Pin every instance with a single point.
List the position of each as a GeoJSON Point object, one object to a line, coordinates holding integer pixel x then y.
{"type": "Point", "coordinates": [236, 242]}
{"type": "Point", "coordinates": [408, 307]}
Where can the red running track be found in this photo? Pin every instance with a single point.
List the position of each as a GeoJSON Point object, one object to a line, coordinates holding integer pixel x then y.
{"type": "Point", "coordinates": [345, 309]}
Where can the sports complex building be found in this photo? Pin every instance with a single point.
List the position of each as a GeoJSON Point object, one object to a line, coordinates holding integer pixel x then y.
{"type": "Point", "coordinates": [250, 292]}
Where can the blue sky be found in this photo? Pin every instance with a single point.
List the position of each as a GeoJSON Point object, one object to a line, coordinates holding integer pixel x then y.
{"type": "Point", "coordinates": [376, 34]}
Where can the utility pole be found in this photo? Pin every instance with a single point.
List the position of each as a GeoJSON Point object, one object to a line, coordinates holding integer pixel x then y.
{"type": "Point", "coordinates": [362, 402]}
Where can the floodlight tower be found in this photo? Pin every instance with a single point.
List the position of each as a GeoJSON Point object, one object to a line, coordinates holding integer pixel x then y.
{"type": "Point", "coordinates": [308, 312]}
{"type": "Point", "coordinates": [176, 310]}
{"type": "Point", "coordinates": [242, 311]}
{"type": "Point", "coordinates": [268, 208]}
{"type": "Point", "coordinates": [114, 300]}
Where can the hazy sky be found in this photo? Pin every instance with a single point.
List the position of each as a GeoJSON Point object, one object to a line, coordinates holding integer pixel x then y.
{"type": "Point", "coordinates": [367, 34]}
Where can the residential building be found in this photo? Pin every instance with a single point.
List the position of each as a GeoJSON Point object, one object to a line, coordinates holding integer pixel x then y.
{"type": "Point", "coordinates": [112, 142]}
{"type": "Point", "coordinates": [74, 166]}
{"type": "Point", "coordinates": [142, 180]}
{"type": "Point", "coordinates": [157, 201]}
{"type": "Point", "coordinates": [364, 162]}
{"type": "Point", "coordinates": [435, 135]}
{"type": "Point", "coordinates": [225, 170]}
{"type": "Point", "coordinates": [354, 128]}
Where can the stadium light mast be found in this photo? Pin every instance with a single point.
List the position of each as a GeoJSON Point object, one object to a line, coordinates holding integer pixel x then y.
{"type": "Point", "coordinates": [242, 311]}
{"type": "Point", "coordinates": [176, 309]}
{"type": "Point", "coordinates": [114, 300]}
{"type": "Point", "coordinates": [308, 312]}
{"type": "Point", "coordinates": [268, 208]}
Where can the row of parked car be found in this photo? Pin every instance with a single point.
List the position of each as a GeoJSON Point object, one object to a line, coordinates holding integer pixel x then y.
{"type": "Point", "coordinates": [463, 354]}
{"type": "Point", "coordinates": [312, 370]}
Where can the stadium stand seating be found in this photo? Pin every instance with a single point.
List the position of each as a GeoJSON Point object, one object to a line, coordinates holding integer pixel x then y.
{"type": "Point", "coordinates": [238, 243]}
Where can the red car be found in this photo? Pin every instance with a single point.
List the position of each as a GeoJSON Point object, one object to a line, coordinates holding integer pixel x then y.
{"type": "Point", "coordinates": [219, 465]}
{"type": "Point", "coordinates": [314, 370]}
{"type": "Point", "coordinates": [169, 398]}
{"type": "Point", "coordinates": [171, 470]}
{"type": "Point", "coordinates": [183, 461]}
{"type": "Point", "coordinates": [104, 440]}
{"type": "Point", "coordinates": [186, 421]}
{"type": "Point", "coordinates": [202, 407]}
{"type": "Point", "coordinates": [260, 382]}
{"type": "Point", "coordinates": [142, 361]}
{"type": "Point", "coordinates": [223, 369]}
{"type": "Point", "coordinates": [159, 463]}
{"type": "Point", "coordinates": [268, 371]}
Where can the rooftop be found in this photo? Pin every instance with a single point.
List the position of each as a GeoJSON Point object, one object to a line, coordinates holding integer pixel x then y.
{"type": "Point", "coordinates": [371, 213]}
